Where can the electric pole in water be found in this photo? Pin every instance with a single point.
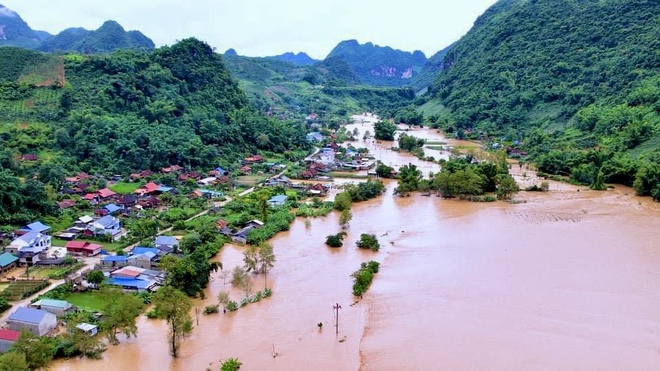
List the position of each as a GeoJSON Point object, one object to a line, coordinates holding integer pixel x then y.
{"type": "Point", "coordinates": [336, 307]}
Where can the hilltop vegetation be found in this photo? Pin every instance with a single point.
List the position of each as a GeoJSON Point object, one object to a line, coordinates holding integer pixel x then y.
{"type": "Point", "coordinates": [377, 65]}
{"type": "Point", "coordinates": [328, 88]}
{"type": "Point", "coordinates": [576, 81]}
{"type": "Point", "coordinates": [14, 31]}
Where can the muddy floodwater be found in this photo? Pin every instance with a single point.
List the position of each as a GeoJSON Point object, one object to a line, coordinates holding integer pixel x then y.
{"type": "Point", "coordinates": [569, 279]}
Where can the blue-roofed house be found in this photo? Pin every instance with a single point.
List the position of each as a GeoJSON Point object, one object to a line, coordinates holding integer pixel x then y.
{"type": "Point", "coordinates": [37, 321]}
{"type": "Point", "coordinates": [110, 261]}
{"type": "Point", "coordinates": [164, 189]}
{"type": "Point", "coordinates": [106, 225]}
{"type": "Point", "coordinates": [278, 200]}
{"type": "Point", "coordinates": [144, 257]}
{"type": "Point", "coordinates": [314, 137]}
{"type": "Point", "coordinates": [112, 208]}
{"type": "Point", "coordinates": [133, 284]}
{"type": "Point", "coordinates": [28, 247]}
{"type": "Point", "coordinates": [167, 244]}
{"type": "Point", "coordinates": [7, 261]}
{"type": "Point", "coordinates": [207, 193]}
{"type": "Point", "coordinates": [37, 226]}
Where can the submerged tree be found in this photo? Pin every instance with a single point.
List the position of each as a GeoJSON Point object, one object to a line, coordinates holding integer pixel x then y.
{"type": "Point", "coordinates": [120, 311]}
{"type": "Point", "coordinates": [174, 307]}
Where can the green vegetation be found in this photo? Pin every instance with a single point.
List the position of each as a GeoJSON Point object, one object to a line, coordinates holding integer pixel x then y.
{"type": "Point", "coordinates": [368, 241]}
{"type": "Point", "coordinates": [93, 301]}
{"type": "Point", "coordinates": [335, 240]}
{"type": "Point", "coordinates": [124, 188]}
{"type": "Point", "coordinates": [23, 289]}
{"type": "Point", "coordinates": [384, 130]}
{"type": "Point", "coordinates": [174, 307]}
{"type": "Point", "coordinates": [231, 364]}
{"type": "Point", "coordinates": [376, 65]}
{"type": "Point", "coordinates": [571, 81]}
{"type": "Point", "coordinates": [362, 278]}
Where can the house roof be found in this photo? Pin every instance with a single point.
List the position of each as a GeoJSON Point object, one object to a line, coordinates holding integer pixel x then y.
{"type": "Point", "coordinates": [105, 192]}
{"type": "Point", "coordinates": [6, 259]}
{"type": "Point", "coordinates": [28, 315]}
{"type": "Point", "coordinates": [126, 271]}
{"type": "Point", "coordinates": [9, 335]}
{"type": "Point", "coordinates": [131, 282]}
{"type": "Point", "coordinates": [83, 245]}
{"type": "Point", "coordinates": [164, 189]}
{"type": "Point", "coordinates": [143, 250]}
{"type": "Point", "coordinates": [61, 304]}
{"type": "Point", "coordinates": [90, 196]}
{"type": "Point", "coordinates": [151, 187]}
{"type": "Point", "coordinates": [278, 199]}
{"type": "Point", "coordinates": [114, 258]}
{"type": "Point", "coordinates": [166, 240]}
{"type": "Point", "coordinates": [37, 227]}
{"type": "Point", "coordinates": [85, 327]}
{"type": "Point", "coordinates": [29, 238]}
{"type": "Point", "coordinates": [85, 219]}
{"type": "Point", "coordinates": [112, 208]}
{"type": "Point", "coordinates": [107, 221]}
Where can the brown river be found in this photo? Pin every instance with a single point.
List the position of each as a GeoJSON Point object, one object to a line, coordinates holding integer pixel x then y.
{"type": "Point", "coordinates": [569, 279]}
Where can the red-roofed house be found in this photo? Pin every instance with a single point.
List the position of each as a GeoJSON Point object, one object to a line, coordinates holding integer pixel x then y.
{"type": "Point", "coordinates": [83, 248]}
{"type": "Point", "coordinates": [106, 193]}
{"type": "Point", "coordinates": [253, 159]}
{"type": "Point", "coordinates": [127, 272]}
{"type": "Point", "coordinates": [151, 187]}
{"type": "Point", "coordinates": [93, 198]}
{"type": "Point", "coordinates": [171, 169]}
{"type": "Point", "coordinates": [221, 223]}
{"type": "Point", "coordinates": [7, 339]}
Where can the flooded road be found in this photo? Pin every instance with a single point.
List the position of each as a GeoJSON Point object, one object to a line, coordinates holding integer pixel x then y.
{"type": "Point", "coordinates": [568, 279]}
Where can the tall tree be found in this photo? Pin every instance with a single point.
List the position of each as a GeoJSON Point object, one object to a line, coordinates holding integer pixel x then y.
{"type": "Point", "coordinates": [38, 353]}
{"type": "Point", "coordinates": [174, 307]}
{"type": "Point", "coordinates": [120, 311]}
{"type": "Point", "coordinates": [241, 280]}
{"type": "Point", "coordinates": [265, 259]}
{"type": "Point", "coordinates": [13, 361]}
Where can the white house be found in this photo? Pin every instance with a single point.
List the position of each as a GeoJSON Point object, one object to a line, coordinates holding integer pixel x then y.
{"type": "Point", "coordinates": [106, 225]}
{"type": "Point", "coordinates": [28, 247]}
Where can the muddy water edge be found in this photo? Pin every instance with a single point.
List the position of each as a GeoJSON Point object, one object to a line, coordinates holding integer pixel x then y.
{"type": "Point", "coordinates": [568, 279]}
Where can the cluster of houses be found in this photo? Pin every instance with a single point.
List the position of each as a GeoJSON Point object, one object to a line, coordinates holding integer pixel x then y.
{"type": "Point", "coordinates": [39, 318]}
{"type": "Point", "coordinates": [138, 271]}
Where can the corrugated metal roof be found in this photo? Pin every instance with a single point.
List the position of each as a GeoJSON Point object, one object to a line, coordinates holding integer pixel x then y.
{"type": "Point", "coordinates": [6, 259]}
{"type": "Point", "coordinates": [28, 315]}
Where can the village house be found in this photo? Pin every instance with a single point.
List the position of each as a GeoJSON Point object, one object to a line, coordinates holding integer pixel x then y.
{"type": "Point", "coordinates": [145, 257]}
{"type": "Point", "coordinates": [315, 137]}
{"type": "Point", "coordinates": [278, 200]}
{"type": "Point", "coordinates": [28, 247]}
{"type": "Point", "coordinates": [106, 194]}
{"type": "Point", "coordinates": [114, 261]}
{"type": "Point", "coordinates": [218, 171]}
{"type": "Point", "coordinates": [37, 321]}
{"type": "Point", "coordinates": [132, 278]}
{"type": "Point", "coordinates": [37, 226]}
{"type": "Point", "coordinates": [255, 159]}
{"type": "Point", "coordinates": [60, 308]}
{"type": "Point", "coordinates": [171, 169]}
{"type": "Point", "coordinates": [207, 181]}
{"type": "Point", "coordinates": [7, 339]}
{"type": "Point", "coordinates": [88, 329]}
{"type": "Point", "coordinates": [167, 243]}
{"type": "Point", "coordinates": [83, 248]}
{"type": "Point", "coordinates": [108, 225]}
{"type": "Point", "coordinates": [241, 235]}
{"type": "Point", "coordinates": [66, 204]}
{"type": "Point", "coordinates": [7, 262]}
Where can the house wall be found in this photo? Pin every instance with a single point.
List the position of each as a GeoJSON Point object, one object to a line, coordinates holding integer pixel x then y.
{"type": "Point", "coordinates": [48, 323]}
{"type": "Point", "coordinates": [55, 310]}
{"type": "Point", "coordinates": [18, 326]}
{"type": "Point", "coordinates": [5, 345]}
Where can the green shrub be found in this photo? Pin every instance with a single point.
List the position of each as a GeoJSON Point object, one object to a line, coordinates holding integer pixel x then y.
{"type": "Point", "coordinates": [368, 241]}
{"type": "Point", "coordinates": [209, 309]}
{"type": "Point", "coordinates": [363, 277]}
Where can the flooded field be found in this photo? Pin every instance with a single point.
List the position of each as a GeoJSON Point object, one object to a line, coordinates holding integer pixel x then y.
{"type": "Point", "coordinates": [568, 279]}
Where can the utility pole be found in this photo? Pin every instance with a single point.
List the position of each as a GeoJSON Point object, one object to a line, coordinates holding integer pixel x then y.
{"type": "Point", "coordinates": [336, 307]}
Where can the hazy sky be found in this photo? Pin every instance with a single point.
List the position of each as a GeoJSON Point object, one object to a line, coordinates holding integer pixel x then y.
{"type": "Point", "coordinates": [268, 27]}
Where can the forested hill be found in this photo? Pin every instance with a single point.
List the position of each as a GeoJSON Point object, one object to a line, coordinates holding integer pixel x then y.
{"type": "Point", "coordinates": [566, 77]}
{"type": "Point", "coordinates": [125, 111]}
{"type": "Point", "coordinates": [14, 31]}
{"type": "Point", "coordinates": [109, 37]}
{"type": "Point", "coordinates": [378, 65]}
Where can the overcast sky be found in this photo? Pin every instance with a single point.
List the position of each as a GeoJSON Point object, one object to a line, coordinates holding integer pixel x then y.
{"type": "Point", "coordinates": [268, 27]}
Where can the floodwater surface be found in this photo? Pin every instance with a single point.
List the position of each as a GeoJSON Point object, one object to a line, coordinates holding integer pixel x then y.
{"type": "Point", "coordinates": [568, 279]}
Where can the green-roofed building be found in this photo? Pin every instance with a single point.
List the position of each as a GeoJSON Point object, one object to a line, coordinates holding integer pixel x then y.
{"type": "Point", "coordinates": [7, 261]}
{"type": "Point", "coordinates": [58, 307]}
